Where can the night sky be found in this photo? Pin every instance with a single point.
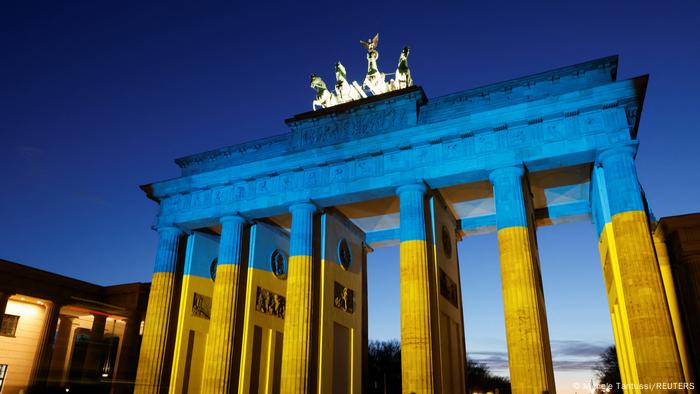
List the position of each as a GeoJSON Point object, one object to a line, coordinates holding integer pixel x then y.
{"type": "Point", "coordinates": [98, 97]}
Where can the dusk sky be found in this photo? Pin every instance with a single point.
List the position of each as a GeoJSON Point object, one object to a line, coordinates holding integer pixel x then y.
{"type": "Point", "coordinates": [99, 97]}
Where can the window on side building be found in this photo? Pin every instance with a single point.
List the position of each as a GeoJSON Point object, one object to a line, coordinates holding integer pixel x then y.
{"type": "Point", "coordinates": [3, 373]}
{"type": "Point", "coordinates": [8, 327]}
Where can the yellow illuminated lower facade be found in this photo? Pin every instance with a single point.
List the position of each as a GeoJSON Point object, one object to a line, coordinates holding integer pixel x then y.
{"type": "Point", "coordinates": [529, 355]}
{"type": "Point", "coordinates": [416, 331]}
{"type": "Point", "coordinates": [641, 314]}
{"type": "Point", "coordinates": [279, 322]}
{"type": "Point", "coordinates": [262, 337]}
{"type": "Point", "coordinates": [190, 341]}
{"type": "Point", "coordinates": [152, 359]}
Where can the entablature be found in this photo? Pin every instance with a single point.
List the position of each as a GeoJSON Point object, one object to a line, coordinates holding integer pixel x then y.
{"type": "Point", "coordinates": [370, 148]}
{"type": "Point", "coordinates": [600, 107]}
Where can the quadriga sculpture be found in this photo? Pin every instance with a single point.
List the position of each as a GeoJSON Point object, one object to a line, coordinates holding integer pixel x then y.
{"type": "Point", "coordinates": [374, 83]}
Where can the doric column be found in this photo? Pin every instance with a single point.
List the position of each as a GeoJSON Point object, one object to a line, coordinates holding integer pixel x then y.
{"type": "Point", "coordinates": [297, 349]}
{"type": "Point", "coordinates": [60, 350]}
{"type": "Point", "coordinates": [44, 353]}
{"type": "Point", "coordinates": [153, 370]}
{"type": "Point", "coordinates": [91, 367]}
{"type": "Point", "coordinates": [128, 355]}
{"type": "Point", "coordinates": [220, 361]}
{"type": "Point", "coordinates": [651, 345]}
{"type": "Point", "coordinates": [674, 309]}
{"type": "Point", "coordinates": [416, 334]}
{"type": "Point", "coordinates": [529, 353]}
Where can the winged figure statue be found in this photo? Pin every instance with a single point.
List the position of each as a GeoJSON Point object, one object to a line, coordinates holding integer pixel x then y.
{"type": "Point", "coordinates": [375, 80]}
{"type": "Point", "coordinates": [371, 44]}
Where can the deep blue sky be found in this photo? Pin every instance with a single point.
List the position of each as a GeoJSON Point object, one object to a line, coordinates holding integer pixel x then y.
{"type": "Point", "coordinates": [99, 97]}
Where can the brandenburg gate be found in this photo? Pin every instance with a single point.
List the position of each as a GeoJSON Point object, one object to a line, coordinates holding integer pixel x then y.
{"type": "Point", "coordinates": [260, 275]}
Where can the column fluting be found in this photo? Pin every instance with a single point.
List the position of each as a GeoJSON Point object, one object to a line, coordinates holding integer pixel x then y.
{"type": "Point", "coordinates": [527, 336]}
{"type": "Point", "coordinates": [417, 367]}
{"type": "Point", "coordinates": [220, 361]}
{"type": "Point", "coordinates": [152, 375]}
{"type": "Point", "coordinates": [298, 321]}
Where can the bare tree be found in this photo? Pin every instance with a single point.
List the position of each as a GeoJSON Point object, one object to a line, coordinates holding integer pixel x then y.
{"type": "Point", "coordinates": [384, 362]}
{"type": "Point", "coordinates": [384, 375]}
{"type": "Point", "coordinates": [608, 372]}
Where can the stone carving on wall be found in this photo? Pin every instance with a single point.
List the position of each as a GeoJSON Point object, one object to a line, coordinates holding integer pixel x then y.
{"type": "Point", "coordinates": [449, 289]}
{"type": "Point", "coordinates": [234, 154]}
{"type": "Point", "coordinates": [344, 254]}
{"type": "Point", "coordinates": [270, 303]}
{"type": "Point", "coordinates": [446, 242]}
{"type": "Point", "coordinates": [212, 268]}
{"type": "Point", "coordinates": [351, 126]}
{"type": "Point", "coordinates": [201, 306]}
{"type": "Point", "coordinates": [343, 298]}
{"type": "Point", "coordinates": [278, 264]}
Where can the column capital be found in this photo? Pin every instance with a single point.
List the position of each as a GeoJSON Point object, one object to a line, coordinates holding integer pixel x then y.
{"type": "Point", "coordinates": [499, 173]}
{"type": "Point", "coordinates": [616, 152]}
{"type": "Point", "coordinates": [232, 229]}
{"type": "Point", "coordinates": [306, 206]}
{"type": "Point", "coordinates": [623, 192]}
{"type": "Point", "coordinates": [168, 228]}
{"type": "Point", "coordinates": [233, 219]}
{"type": "Point", "coordinates": [168, 244]}
{"type": "Point", "coordinates": [100, 316]}
{"type": "Point", "coordinates": [508, 197]}
{"type": "Point", "coordinates": [63, 317]}
{"type": "Point", "coordinates": [412, 187]}
{"type": "Point", "coordinates": [412, 212]}
{"type": "Point", "coordinates": [301, 234]}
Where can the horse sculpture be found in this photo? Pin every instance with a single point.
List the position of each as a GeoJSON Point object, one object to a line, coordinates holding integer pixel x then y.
{"type": "Point", "coordinates": [403, 73]}
{"type": "Point", "coordinates": [345, 91]}
{"type": "Point", "coordinates": [374, 80]}
{"type": "Point", "coordinates": [324, 98]}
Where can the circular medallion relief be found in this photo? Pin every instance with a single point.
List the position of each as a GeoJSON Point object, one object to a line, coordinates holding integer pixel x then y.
{"type": "Point", "coordinates": [278, 264]}
{"type": "Point", "coordinates": [344, 254]}
{"type": "Point", "coordinates": [212, 268]}
{"type": "Point", "coordinates": [446, 242]}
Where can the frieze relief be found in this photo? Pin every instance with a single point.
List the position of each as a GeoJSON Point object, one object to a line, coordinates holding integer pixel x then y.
{"type": "Point", "coordinates": [270, 303]}
{"type": "Point", "coordinates": [449, 289]}
{"type": "Point", "coordinates": [348, 127]}
{"type": "Point", "coordinates": [201, 306]}
{"type": "Point", "coordinates": [453, 149]}
{"type": "Point", "coordinates": [289, 182]}
{"type": "Point", "coordinates": [367, 167]}
{"type": "Point", "coordinates": [397, 161]}
{"type": "Point", "coordinates": [338, 173]}
{"type": "Point", "coordinates": [234, 154]}
{"type": "Point", "coordinates": [343, 298]}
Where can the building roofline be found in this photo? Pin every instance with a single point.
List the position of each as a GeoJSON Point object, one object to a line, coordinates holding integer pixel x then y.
{"type": "Point", "coordinates": [611, 60]}
{"type": "Point", "coordinates": [35, 282]}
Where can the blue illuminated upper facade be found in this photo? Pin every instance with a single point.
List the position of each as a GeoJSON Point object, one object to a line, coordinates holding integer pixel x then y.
{"type": "Point", "coordinates": [556, 122]}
